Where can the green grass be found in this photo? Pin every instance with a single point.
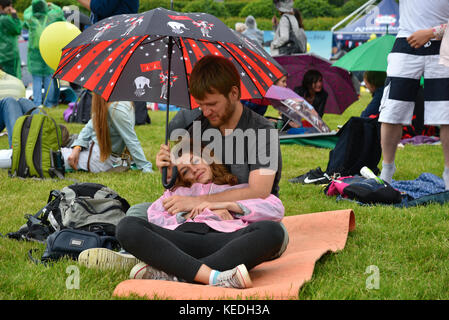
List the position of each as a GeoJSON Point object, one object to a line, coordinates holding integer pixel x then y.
{"type": "Point", "coordinates": [409, 246]}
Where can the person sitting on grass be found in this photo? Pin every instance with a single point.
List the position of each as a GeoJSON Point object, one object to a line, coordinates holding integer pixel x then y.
{"type": "Point", "coordinates": [13, 103]}
{"type": "Point", "coordinates": [374, 82]}
{"type": "Point", "coordinates": [212, 244]}
{"type": "Point", "coordinates": [103, 139]}
{"type": "Point", "coordinates": [312, 90]}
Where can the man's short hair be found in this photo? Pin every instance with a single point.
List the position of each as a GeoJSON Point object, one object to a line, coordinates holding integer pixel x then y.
{"type": "Point", "coordinates": [5, 3]}
{"type": "Point", "coordinates": [213, 74]}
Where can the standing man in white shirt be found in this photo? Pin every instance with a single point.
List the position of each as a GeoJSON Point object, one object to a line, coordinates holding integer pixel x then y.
{"type": "Point", "coordinates": [406, 65]}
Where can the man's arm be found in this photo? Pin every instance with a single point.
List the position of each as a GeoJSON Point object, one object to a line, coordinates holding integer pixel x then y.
{"type": "Point", "coordinates": [260, 183]}
{"type": "Point", "coordinates": [85, 4]}
{"type": "Point", "coordinates": [421, 37]}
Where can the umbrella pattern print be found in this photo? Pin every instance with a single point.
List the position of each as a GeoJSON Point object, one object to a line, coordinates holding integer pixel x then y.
{"type": "Point", "coordinates": [125, 57]}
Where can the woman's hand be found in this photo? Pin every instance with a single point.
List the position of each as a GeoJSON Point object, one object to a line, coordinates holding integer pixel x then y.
{"type": "Point", "coordinates": [74, 157]}
{"type": "Point", "coordinates": [420, 38]}
{"type": "Point", "coordinates": [223, 214]}
{"type": "Point", "coordinates": [221, 209]}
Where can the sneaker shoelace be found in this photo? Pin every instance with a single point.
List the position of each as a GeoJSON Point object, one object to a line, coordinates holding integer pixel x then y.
{"type": "Point", "coordinates": [228, 279]}
{"type": "Point", "coordinates": [155, 274]}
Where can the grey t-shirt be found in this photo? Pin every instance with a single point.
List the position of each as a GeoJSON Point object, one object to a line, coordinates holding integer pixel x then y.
{"type": "Point", "coordinates": [252, 145]}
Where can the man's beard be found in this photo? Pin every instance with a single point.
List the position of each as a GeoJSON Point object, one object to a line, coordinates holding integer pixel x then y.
{"type": "Point", "coordinates": [224, 117]}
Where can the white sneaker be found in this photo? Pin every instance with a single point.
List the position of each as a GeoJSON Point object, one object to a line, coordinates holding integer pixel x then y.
{"type": "Point", "coordinates": [145, 271]}
{"type": "Point", "coordinates": [102, 258]}
{"type": "Point", "coordinates": [235, 278]}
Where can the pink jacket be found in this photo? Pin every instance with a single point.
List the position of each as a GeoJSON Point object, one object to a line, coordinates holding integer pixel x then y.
{"type": "Point", "coordinates": [270, 208]}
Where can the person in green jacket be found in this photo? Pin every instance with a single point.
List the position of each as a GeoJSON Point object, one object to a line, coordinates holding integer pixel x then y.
{"type": "Point", "coordinates": [37, 17]}
{"type": "Point", "coordinates": [10, 29]}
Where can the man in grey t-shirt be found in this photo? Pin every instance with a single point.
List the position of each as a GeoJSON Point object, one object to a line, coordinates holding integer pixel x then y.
{"type": "Point", "coordinates": [249, 143]}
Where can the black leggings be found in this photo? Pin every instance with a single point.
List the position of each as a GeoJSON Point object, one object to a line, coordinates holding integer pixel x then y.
{"type": "Point", "coordinates": [182, 253]}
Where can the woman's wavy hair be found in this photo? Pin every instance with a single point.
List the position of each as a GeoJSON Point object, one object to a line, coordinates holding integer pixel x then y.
{"type": "Point", "coordinates": [220, 174]}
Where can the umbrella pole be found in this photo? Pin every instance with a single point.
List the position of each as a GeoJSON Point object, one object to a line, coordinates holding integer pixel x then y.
{"type": "Point", "coordinates": [168, 185]}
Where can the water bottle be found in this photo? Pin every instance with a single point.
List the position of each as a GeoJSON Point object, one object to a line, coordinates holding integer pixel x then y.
{"type": "Point", "coordinates": [368, 174]}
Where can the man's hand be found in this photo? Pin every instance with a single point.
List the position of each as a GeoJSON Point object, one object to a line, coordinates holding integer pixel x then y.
{"type": "Point", "coordinates": [74, 157]}
{"type": "Point", "coordinates": [175, 204]}
{"type": "Point", "coordinates": [420, 38]}
{"type": "Point", "coordinates": [163, 157]}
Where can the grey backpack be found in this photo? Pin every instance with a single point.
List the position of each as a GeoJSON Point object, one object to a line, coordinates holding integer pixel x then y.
{"type": "Point", "coordinates": [82, 206]}
{"type": "Point", "coordinates": [87, 206]}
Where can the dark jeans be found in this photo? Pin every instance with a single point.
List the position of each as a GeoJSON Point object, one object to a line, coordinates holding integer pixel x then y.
{"type": "Point", "coordinates": [182, 253]}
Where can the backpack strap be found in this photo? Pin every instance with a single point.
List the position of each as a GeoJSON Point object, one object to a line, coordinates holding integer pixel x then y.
{"type": "Point", "coordinates": [33, 259]}
{"type": "Point", "coordinates": [30, 111]}
{"type": "Point", "coordinates": [33, 136]}
{"type": "Point", "coordinates": [17, 145]}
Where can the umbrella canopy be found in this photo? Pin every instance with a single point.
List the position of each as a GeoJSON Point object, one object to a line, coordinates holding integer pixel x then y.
{"type": "Point", "coordinates": [295, 107]}
{"type": "Point", "coordinates": [149, 57]}
{"type": "Point", "coordinates": [370, 56]}
{"type": "Point", "coordinates": [126, 57]}
{"type": "Point", "coordinates": [336, 81]}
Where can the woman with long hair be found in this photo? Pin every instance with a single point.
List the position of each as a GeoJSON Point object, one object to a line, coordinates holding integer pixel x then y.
{"type": "Point", "coordinates": [216, 243]}
{"type": "Point", "coordinates": [312, 90]}
{"type": "Point", "coordinates": [102, 142]}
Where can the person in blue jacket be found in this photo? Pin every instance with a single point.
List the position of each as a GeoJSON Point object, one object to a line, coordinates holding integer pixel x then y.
{"type": "Point", "coordinates": [101, 9]}
{"type": "Point", "coordinates": [374, 82]}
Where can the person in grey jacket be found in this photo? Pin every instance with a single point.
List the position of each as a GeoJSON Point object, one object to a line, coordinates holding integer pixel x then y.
{"type": "Point", "coordinates": [289, 38]}
{"type": "Point", "coordinates": [252, 31]}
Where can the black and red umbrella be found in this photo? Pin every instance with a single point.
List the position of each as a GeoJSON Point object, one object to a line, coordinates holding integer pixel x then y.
{"type": "Point", "coordinates": [149, 57]}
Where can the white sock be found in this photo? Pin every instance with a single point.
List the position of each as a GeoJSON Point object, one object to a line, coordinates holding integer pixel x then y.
{"type": "Point", "coordinates": [446, 177]}
{"type": "Point", "coordinates": [213, 277]}
{"type": "Point", "coordinates": [388, 170]}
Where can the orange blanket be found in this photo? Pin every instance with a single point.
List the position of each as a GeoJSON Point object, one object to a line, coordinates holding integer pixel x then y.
{"type": "Point", "coordinates": [311, 236]}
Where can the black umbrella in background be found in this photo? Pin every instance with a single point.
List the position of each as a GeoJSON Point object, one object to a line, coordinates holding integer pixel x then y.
{"type": "Point", "coordinates": [149, 57]}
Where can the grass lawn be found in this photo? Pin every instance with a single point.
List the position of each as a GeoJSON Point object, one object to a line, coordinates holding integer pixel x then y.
{"type": "Point", "coordinates": [409, 247]}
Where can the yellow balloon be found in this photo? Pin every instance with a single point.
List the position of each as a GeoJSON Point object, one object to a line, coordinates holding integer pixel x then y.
{"type": "Point", "coordinates": [372, 36]}
{"type": "Point", "coordinates": [55, 37]}
{"type": "Point", "coordinates": [308, 47]}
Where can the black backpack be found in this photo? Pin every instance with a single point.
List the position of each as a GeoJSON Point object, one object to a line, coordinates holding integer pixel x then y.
{"type": "Point", "coordinates": [363, 190]}
{"type": "Point", "coordinates": [358, 145]}
{"type": "Point", "coordinates": [82, 109]}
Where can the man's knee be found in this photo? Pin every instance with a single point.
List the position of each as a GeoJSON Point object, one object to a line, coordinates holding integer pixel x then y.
{"type": "Point", "coordinates": [283, 237]}
{"type": "Point", "coordinates": [139, 210]}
